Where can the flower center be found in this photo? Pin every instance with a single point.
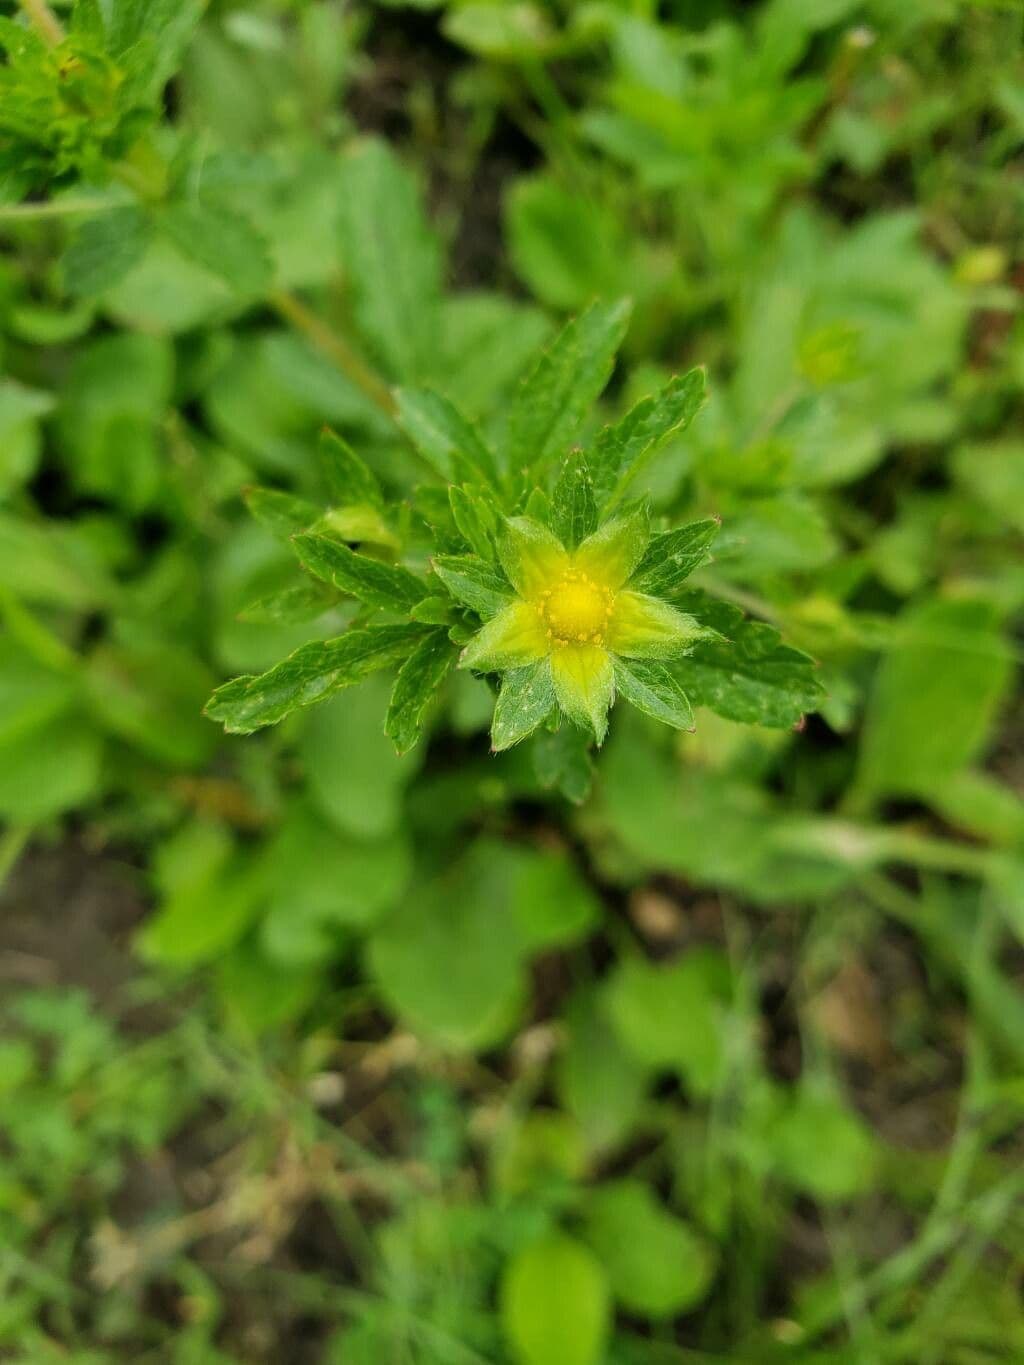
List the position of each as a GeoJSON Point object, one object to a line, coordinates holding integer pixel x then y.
{"type": "Point", "coordinates": [576, 610]}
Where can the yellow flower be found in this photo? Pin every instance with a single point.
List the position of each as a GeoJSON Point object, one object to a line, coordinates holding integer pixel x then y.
{"type": "Point", "coordinates": [574, 616]}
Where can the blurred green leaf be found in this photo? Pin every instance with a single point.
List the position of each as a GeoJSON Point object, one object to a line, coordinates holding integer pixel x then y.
{"type": "Point", "coordinates": [656, 1265]}
{"type": "Point", "coordinates": [935, 698]}
{"type": "Point", "coordinates": [566, 378]}
{"type": "Point", "coordinates": [672, 1018]}
{"type": "Point", "coordinates": [393, 262]}
{"type": "Point", "coordinates": [554, 1304]}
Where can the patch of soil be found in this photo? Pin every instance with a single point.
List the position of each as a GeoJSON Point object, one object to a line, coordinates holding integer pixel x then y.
{"type": "Point", "coordinates": [66, 919]}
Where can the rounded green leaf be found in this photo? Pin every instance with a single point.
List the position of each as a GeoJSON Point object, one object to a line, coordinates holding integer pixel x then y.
{"type": "Point", "coordinates": [554, 1304]}
{"type": "Point", "coordinates": [656, 1264]}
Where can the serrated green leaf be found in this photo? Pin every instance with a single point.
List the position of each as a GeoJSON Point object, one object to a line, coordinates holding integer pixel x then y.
{"type": "Point", "coordinates": [565, 380]}
{"type": "Point", "coordinates": [283, 514]}
{"type": "Point", "coordinates": [449, 442]}
{"type": "Point", "coordinates": [104, 249]}
{"type": "Point", "coordinates": [573, 509]}
{"type": "Point", "coordinates": [372, 581]}
{"type": "Point", "coordinates": [418, 680]}
{"type": "Point", "coordinates": [350, 481]}
{"type": "Point", "coordinates": [654, 688]}
{"type": "Point", "coordinates": [525, 701]}
{"type": "Point", "coordinates": [311, 674]}
{"type": "Point", "coordinates": [621, 450]}
{"type": "Point", "coordinates": [392, 260]}
{"type": "Point", "coordinates": [223, 243]}
{"type": "Point", "coordinates": [476, 520]}
{"type": "Point", "coordinates": [474, 583]}
{"type": "Point", "coordinates": [671, 558]}
{"type": "Point", "coordinates": [751, 676]}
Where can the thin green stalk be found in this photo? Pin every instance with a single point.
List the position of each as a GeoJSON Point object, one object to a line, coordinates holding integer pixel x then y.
{"type": "Point", "coordinates": [44, 21]}
{"type": "Point", "coordinates": [334, 346]}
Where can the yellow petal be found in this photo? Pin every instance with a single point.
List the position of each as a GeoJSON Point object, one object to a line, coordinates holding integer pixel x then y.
{"type": "Point", "coordinates": [532, 556]}
{"type": "Point", "coordinates": [515, 637]}
{"type": "Point", "coordinates": [584, 685]}
{"type": "Point", "coordinates": [611, 554]}
{"type": "Point", "coordinates": [645, 627]}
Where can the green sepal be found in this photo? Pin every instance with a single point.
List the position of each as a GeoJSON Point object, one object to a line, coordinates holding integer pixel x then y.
{"type": "Point", "coordinates": [652, 687]}
{"type": "Point", "coordinates": [373, 582]}
{"type": "Point", "coordinates": [418, 680]}
{"type": "Point", "coordinates": [530, 555]}
{"type": "Point", "coordinates": [584, 686]}
{"type": "Point", "coordinates": [611, 554]}
{"type": "Point", "coordinates": [526, 699]}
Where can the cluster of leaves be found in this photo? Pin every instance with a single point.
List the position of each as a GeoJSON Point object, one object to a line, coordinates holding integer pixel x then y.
{"type": "Point", "coordinates": [483, 549]}
{"type": "Point", "coordinates": [809, 201]}
{"type": "Point", "coordinates": [74, 105]}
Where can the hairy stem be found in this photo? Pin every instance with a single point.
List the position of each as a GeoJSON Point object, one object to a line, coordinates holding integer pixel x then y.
{"type": "Point", "coordinates": [335, 347]}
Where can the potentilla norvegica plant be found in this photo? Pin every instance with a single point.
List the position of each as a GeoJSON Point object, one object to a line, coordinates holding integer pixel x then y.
{"type": "Point", "coordinates": [524, 561]}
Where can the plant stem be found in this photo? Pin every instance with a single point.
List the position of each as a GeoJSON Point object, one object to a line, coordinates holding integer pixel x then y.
{"type": "Point", "coordinates": [45, 22]}
{"type": "Point", "coordinates": [328, 341]}
{"type": "Point", "coordinates": [54, 208]}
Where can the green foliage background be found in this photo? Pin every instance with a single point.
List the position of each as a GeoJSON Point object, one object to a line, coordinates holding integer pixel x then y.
{"type": "Point", "coordinates": [699, 1047]}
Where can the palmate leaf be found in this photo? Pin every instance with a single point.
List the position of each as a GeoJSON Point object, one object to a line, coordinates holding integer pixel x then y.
{"type": "Point", "coordinates": [566, 379]}
{"type": "Point", "coordinates": [620, 451]}
{"type": "Point", "coordinates": [748, 675]}
{"type": "Point", "coordinates": [311, 674]}
{"type": "Point", "coordinates": [372, 581]}
{"type": "Point", "coordinates": [418, 680]}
